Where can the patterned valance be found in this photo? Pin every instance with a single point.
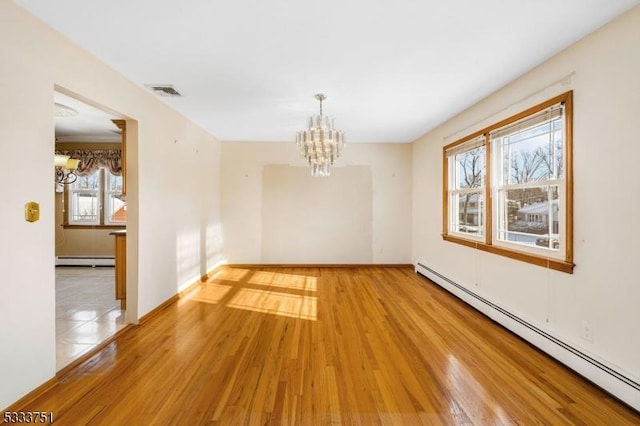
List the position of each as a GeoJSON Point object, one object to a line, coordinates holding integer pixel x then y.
{"type": "Point", "coordinates": [92, 160]}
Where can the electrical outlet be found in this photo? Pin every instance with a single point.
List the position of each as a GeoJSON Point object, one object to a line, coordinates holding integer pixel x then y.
{"type": "Point", "coordinates": [587, 331]}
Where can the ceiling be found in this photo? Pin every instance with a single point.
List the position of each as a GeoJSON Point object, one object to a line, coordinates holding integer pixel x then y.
{"type": "Point", "coordinates": [392, 70]}
{"type": "Point", "coordinates": [87, 124]}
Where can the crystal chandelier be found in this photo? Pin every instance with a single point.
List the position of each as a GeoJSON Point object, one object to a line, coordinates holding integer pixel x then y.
{"type": "Point", "coordinates": [321, 144]}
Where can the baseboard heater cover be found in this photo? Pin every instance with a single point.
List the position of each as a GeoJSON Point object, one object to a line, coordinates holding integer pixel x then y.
{"type": "Point", "coordinates": [614, 382]}
{"type": "Point", "coordinates": [85, 261]}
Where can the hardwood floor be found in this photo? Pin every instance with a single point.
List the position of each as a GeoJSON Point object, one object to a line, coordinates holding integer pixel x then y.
{"type": "Point", "coordinates": [314, 346]}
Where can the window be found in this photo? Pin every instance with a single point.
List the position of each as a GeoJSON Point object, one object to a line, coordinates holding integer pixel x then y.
{"type": "Point", "coordinates": [94, 200]}
{"type": "Point", "coordinates": [84, 200]}
{"type": "Point", "coordinates": [529, 180]}
{"type": "Point", "coordinates": [508, 187]}
{"type": "Point", "coordinates": [115, 208]}
{"type": "Point", "coordinates": [467, 183]}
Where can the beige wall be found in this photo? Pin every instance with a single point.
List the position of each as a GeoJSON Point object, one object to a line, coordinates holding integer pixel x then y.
{"type": "Point", "coordinates": [311, 220]}
{"type": "Point", "coordinates": [80, 242]}
{"type": "Point", "coordinates": [174, 232]}
{"type": "Point", "coordinates": [380, 234]}
{"type": "Point", "coordinates": [604, 290]}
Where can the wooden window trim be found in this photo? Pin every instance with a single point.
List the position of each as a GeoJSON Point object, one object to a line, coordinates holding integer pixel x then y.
{"type": "Point", "coordinates": [556, 264]}
{"type": "Point", "coordinates": [563, 265]}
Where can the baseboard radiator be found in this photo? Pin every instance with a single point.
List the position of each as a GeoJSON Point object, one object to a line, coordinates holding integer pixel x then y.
{"type": "Point", "coordinates": [85, 261]}
{"type": "Point", "coordinates": [614, 382]}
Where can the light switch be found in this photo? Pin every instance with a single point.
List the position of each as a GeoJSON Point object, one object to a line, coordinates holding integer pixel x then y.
{"type": "Point", "coordinates": [32, 211]}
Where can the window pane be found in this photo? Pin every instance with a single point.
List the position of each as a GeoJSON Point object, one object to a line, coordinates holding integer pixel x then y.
{"type": "Point", "coordinates": [529, 216]}
{"type": "Point", "coordinates": [533, 154]}
{"type": "Point", "coordinates": [115, 212]}
{"type": "Point", "coordinates": [114, 183]}
{"type": "Point", "coordinates": [116, 209]}
{"type": "Point", "coordinates": [84, 207]}
{"type": "Point", "coordinates": [469, 169]}
{"type": "Point", "coordinates": [467, 213]}
{"type": "Point", "coordinates": [84, 202]}
{"type": "Point", "coordinates": [91, 182]}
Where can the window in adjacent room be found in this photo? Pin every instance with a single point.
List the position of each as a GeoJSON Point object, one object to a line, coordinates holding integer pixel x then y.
{"type": "Point", "coordinates": [526, 187]}
{"type": "Point", "coordinates": [94, 200]}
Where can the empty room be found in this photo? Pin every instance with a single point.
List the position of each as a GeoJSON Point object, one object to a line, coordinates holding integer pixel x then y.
{"type": "Point", "coordinates": [292, 212]}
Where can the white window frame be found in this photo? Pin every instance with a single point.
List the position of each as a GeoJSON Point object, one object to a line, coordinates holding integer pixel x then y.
{"type": "Point", "coordinates": [103, 210]}
{"type": "Point", "coordinates": [73, 206]}
{"type": "Point", "coordinates": [107, 195]}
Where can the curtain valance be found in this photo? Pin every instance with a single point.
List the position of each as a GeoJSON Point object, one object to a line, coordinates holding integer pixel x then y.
{"type": "Point", "coordinates": [92, 160]}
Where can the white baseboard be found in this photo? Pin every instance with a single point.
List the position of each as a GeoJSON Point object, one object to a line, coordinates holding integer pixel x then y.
{"type": "Point", "coordinates": [604, 376]}
{"type": "Point", "coordinates": [85, 261]}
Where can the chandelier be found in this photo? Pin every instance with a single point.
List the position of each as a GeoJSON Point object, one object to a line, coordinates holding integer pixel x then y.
{"type": "Point", "coordinates": [65, 169]}
{"type": "Point", "coordinates": [321, 144]}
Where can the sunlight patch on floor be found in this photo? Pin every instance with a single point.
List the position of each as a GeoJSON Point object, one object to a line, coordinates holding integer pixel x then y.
{"type": "Point", "coordinates": [211, 293]}
{"type": "Point", "coordinates": [297, 282]}
{"type": "Point", "coordinates": [282, 304]}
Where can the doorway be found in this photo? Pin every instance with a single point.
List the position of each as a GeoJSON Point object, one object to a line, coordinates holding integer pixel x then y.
{"type": "Point", "coordinates": [90, 205]}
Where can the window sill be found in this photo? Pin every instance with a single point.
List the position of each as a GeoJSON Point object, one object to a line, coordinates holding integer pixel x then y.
{"type": "Point", "coordinates": [555, 264]}
{"type": "Point", "coordinates": [67, 226]}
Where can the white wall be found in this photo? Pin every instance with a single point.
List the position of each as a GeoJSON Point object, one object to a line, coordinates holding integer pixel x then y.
{"type": "Point", "coordinates": [333, 215]}
{"type": "Point", "coordinates": [173, 185]}
{"type": "Point", "coordinates": [244, 218]}
{"type": "Point", "coordinates": [605, 287]}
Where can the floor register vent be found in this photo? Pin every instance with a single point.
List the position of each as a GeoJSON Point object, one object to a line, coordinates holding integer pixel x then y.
{"type": "Point", "coordinates": [611, 380]}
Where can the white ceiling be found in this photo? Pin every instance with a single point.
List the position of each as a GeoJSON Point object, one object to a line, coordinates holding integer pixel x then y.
{"type": "Point", "coordinates": [392, 70]}
{"type": "Point", "coordinates": [89, 125]}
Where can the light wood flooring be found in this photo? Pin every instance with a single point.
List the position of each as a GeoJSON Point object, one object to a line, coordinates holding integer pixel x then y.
{"type": "Point", "coordinates": [324, 346]}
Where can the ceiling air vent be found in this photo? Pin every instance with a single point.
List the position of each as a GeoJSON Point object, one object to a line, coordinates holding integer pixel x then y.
{"type": "Point", "coordinates": [164, 90]}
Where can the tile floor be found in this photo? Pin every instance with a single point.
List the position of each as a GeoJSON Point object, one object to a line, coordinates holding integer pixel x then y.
{"type": "Point", "coordinates": [86, 310]}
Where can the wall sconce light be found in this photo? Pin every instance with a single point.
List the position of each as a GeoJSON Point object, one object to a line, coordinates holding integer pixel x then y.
{"type": "Point", "coordinates": [65, 168]}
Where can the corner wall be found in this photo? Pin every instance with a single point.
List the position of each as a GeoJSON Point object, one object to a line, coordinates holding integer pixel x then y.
{"type": "Point", "coordinates": [173, 183]}
{"type": "Point", "coordinates": [603, 292]}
